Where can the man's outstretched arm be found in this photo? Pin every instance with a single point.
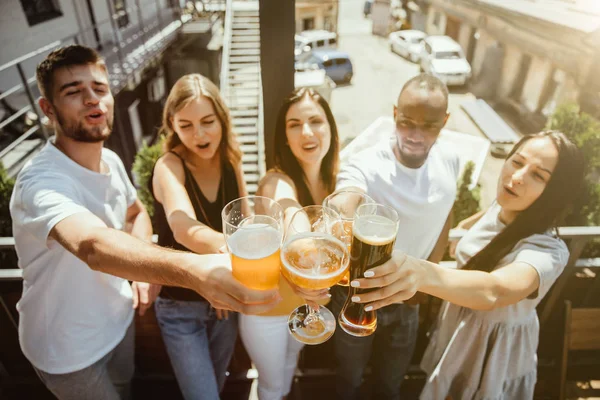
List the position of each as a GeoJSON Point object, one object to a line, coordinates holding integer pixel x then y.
{"type": "Point", "coordinates": [117, 253]}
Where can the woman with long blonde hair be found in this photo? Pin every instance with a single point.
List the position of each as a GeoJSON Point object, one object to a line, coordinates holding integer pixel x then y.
{"type": "Point", "coordinates": [199, 172]}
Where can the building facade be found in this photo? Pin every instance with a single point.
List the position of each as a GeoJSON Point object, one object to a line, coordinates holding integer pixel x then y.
{"type": "Point", "coordinates": [147, 46]}
{"type": "Point", "coordinates": [316, 14]}
{"type": "Point", "coordinates": [527, 56]}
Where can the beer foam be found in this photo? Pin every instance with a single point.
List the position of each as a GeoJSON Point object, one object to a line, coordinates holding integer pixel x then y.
{"type": "Point", "coordinates": [254, 241]}
{"type": "Point", "coordinates": [315, 248]}
{"type": "Point", "coordinates": [375, 230]}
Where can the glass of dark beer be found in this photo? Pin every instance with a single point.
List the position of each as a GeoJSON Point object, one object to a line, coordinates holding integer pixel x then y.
{"type": "Point", "coordinates": [373, 237]}
{"type": "Point", "coordinates": [345, 202]}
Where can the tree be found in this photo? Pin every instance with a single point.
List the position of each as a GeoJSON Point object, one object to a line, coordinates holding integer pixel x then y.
{"type": "Point", "coordinates": [143, 166]}
{"type": "Point", "coordinates": [6, 187]}
{"type": "Point", "coordinates": [584, 131]}
{"type": "Point", "coordinates": [467, 200]}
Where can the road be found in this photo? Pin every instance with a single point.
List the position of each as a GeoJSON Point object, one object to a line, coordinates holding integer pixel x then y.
{"type": "Point", "coordinates": [379, 75]}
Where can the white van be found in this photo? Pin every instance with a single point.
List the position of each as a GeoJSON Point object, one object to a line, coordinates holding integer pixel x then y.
{"type": "Point", "coordinates": [314, 40]}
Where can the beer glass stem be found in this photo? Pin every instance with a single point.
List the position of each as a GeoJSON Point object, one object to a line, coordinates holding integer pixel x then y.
{"type": "Point", "coordinates": [313, 314]}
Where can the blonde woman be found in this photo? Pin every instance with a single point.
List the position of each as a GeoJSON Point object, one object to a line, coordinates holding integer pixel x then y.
{"type": "Point", "coordinates": [306, 151]}
{"type": "Point", "coordinates": [198, 174]}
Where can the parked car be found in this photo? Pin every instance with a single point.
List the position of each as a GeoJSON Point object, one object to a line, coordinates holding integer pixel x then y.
{"type": "Point", "coordinates": [407, 43]}
{"type": "Point", "coordinates": [443, 57]}
{"type": "Point", "coordinates": [314, 40]}
{"type": "Point", "coordinates": [337, 64]}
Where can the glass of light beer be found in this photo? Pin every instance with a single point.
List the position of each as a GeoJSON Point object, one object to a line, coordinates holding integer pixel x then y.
{"type": "Point", "coordinates": [374, 234]}
{"type": "Point", "coordinates": [313, 258]}
{"type": "Point", "coordinates": [253, 229]}
{"type": "Point", "coordinates": [345, 202]}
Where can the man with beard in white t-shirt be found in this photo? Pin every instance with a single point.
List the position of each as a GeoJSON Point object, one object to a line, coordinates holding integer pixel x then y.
{"type": "Point", "coordinates": [81, 233]}
{"type": "Point", "coordinates": [417, 178]}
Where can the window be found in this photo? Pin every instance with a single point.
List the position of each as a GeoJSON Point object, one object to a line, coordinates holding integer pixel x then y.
{"type": "Point", "coordinates": [308, 24]}
{"type": "Point", "coordinates": [428, 48]}
{"type": "Point", "coordinates": [320, 43]}
{"type": "Point", "coordinates": [333, 41]}
{"type": "Point", "coordinates": [38, 11]}
{"type": "Point", "coordinates": [328, 63]}
{"type": "Point", "coordinates": [447, 55]}
{"type": "Point", "coordinates": [340, 61]}
{"type": "Point", "coordinates": [437, 16]}
{"type": "Point", "coordinates": [121, 16]}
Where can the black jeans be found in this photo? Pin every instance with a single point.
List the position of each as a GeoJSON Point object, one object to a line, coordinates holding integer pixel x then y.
{"type": "Point", "coordinates": [390, 350]}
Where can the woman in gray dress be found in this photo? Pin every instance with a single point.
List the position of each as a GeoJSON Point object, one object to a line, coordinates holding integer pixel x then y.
{"type": "Point", "coordinates": [485, 343]}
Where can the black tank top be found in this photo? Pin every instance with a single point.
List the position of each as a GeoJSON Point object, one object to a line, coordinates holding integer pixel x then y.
{"type": "Point", "coordinates": [213, 213]}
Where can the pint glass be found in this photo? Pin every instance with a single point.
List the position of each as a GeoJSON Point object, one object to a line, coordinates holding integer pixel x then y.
{"type": "Point", "coordinates": [253, 229]}
{"type": "Point", "coordinates": [374, 234]}
{"type": "Point", "coordinates": [345, 202]}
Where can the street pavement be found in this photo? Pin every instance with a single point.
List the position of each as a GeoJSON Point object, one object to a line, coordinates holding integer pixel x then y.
{"type": "Point", "coordinates": [379, 75]}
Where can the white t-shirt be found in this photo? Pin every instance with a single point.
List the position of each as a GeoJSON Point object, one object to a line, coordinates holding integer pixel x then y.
{"type": "Point", "coordinates": [70, 315]}
{"type": "Point", "coordinates": [423, 197]}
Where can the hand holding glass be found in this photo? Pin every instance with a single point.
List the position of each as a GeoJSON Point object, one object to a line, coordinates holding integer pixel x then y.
{"type": "Point", "coordinates": [345, 202]}
{"type": "Point", "coordinates": [374, 234]}
{"type": "Point", "coordinates": [253, 229]}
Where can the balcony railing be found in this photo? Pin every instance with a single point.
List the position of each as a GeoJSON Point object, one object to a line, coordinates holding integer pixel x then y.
{"type": "Point", "coordinates": [130, 49]}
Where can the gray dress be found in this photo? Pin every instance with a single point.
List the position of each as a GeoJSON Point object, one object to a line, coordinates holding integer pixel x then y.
{"type": "Point", "coordinates": [491, 354]}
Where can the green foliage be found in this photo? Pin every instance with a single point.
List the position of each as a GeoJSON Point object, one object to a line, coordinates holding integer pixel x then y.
{"type": "Point", "coordinates": [583, 130]}
{"type": "Point", "coordinates": [467, 201]}
{"type": "Point", "coordinates": [142, 170]}
{"type": "Point", "coordinates": [6, 187]}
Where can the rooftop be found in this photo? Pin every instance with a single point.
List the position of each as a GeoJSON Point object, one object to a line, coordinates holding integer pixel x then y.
{"type": "Point", "coordinates": [583, 15]}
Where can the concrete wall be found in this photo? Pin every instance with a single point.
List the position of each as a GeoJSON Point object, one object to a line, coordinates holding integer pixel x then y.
{"type": "Point", "coordinates": [464, 36]}
{"type": "Point", "coordinates": [510, 70]}
{"type": "Point", "coordinates": [319, 12]}
{"type": "Point", "coordinates": [485, 41]}
{"type": "Point", "coordinates": [19, 39]}
{"type": "Point", "coordinates": [436, 21]}
{"type": "Point", "coordinates": [535, 82]}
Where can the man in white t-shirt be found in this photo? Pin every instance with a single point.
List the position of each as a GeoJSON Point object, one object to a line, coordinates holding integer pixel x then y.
{"type": "Point", "coordinates": [417, 178]}
{"type": "Point", "coordinates": [77, 225]}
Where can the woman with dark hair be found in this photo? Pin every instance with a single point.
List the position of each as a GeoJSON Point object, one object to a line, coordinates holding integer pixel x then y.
{"type": "Point", "coordinates": [306, 151]}
{"type": "Point", "coordinates": [485, 342]}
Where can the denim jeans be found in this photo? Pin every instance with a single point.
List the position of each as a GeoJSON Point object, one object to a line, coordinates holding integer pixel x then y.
{"type": "Point", "coordinates": [390, 350]}
{"type": "Point", "coordinates": [199, 345]}
{"type": "Point", "coordinates": [107, 379]}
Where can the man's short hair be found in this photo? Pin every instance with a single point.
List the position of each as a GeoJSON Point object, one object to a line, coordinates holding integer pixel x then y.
{"type": "Point", "coordinates": [64, 57]}
{"type": "Point", "coordinates": [427, 82]}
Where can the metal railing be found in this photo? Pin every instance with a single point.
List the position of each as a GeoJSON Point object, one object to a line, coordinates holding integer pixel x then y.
{"type": "Point", "coordinates": [226, 51]}
{"type": "Point", "coordinates": [129, 51]}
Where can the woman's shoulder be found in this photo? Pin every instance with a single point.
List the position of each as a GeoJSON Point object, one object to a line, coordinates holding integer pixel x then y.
{"type": "Point", "coordinates": [548, 241]}
{"type": "Point", "coordinates": [170, 162]}
{"type": "Point", "coordinates": [274, 175]}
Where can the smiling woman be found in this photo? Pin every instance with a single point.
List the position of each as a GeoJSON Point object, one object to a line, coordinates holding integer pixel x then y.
{"type": "Point", "coordinates": [306, 151]}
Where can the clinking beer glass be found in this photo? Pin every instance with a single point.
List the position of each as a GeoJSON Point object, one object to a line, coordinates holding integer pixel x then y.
{"type": "Point", "coordinates": [374, 234]}
{"type": "Point", "coordinates": [345, 202]}
{"type": "Point", "coordinates": [314, 258]}
{"type": "Point", "coordinates": [253, 229]}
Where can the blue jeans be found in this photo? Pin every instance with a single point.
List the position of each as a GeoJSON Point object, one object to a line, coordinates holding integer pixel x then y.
{"type": "Point", "coordinates": [390, 350]}
{"type": "Point", "coordinates": [199, 345]}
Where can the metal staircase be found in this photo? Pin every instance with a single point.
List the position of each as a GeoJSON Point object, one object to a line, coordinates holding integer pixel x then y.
{"type": "Point", "coordinates": [241, 85]}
